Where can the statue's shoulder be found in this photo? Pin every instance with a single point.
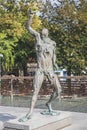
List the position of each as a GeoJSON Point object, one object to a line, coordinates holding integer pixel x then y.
{"type": "Point", "coordinates": [49, 41]}
{"type": "Point", "coordinates": [52, 42]}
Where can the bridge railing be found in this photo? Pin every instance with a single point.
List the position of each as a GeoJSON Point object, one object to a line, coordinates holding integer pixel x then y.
{"type": "Point", "coordinates": [23, 85]}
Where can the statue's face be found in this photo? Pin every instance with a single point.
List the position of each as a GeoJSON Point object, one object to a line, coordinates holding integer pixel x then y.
{"type": "Point", "coordinates": [44, 32]}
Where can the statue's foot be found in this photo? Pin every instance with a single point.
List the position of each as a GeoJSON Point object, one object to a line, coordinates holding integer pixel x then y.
{"type": "Point", "coordinates": [52, 113]}
{"type": "Point", "coordinates": [25, 118]}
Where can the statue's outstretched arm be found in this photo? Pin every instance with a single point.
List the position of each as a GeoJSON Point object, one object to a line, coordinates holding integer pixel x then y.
{"type": "Point", "coordinates": [29, 28]}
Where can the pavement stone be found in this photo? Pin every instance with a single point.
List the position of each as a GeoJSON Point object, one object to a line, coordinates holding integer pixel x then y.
{"type": "Point", "coordinates": [77, 107]}
{"type": "Point", "coordinates": [79, 120]}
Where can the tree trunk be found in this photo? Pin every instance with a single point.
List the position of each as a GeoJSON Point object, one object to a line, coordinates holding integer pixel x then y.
{"type": "Point", "coordinates": [25, 70]}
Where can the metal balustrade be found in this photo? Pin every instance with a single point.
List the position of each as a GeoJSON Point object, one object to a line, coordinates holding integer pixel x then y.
{"type": "Point", "coordinates": [13, 85]}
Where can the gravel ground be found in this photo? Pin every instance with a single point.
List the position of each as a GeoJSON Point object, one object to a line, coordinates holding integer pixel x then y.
{"type": "Point", "coordinates": [73, 104]}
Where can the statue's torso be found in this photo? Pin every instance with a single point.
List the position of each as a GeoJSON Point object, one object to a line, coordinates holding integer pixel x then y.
{"type": "Point", "coordinates": [44, 52]}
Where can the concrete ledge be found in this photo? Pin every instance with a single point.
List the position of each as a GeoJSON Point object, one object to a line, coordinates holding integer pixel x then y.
{"type": "Point", "coordinates": [40, 122]}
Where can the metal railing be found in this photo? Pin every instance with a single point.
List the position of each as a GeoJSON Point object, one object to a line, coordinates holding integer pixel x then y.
{"type": "Point", "coordinates": [13, 85]}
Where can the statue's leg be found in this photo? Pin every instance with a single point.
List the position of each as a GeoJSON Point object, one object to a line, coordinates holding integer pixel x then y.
{"type": "Point", "coordinates": [56, 90]}
{"type": "Point", "coordinates": [37, 85]}
{"type": "Point", "coordinates": [38, 79]}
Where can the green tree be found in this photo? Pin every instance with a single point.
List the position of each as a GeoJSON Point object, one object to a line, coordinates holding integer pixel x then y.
{"type": "Point", "coordinates": [25, 46]}
{"type": "Point", "coordinates": [67, 22]}
{"type": "Point", "coordinates": [13, 17]}
{"type": "Point", "coordinates": [9, 34]}
{"type": "Point", "coordinates": [7, 49]}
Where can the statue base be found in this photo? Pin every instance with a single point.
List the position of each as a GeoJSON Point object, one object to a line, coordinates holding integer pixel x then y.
{"type": "Point", "coordinates": [40, 122]}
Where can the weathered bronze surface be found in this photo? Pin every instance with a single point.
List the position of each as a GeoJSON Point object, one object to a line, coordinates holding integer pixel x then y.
{"type": "Point", "coordinates": [46, 61]}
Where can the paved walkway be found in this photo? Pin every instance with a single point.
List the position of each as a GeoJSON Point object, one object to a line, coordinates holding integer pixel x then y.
{"type": "Point", "coordinates": [79, 120]}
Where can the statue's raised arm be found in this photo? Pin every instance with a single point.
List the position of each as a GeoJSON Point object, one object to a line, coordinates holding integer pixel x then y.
{"type": "Point", "coordinates": [29, 28]}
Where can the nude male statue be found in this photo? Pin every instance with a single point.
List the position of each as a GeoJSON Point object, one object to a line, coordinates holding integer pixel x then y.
{"type": "Point", "coordinates": [46, 61]}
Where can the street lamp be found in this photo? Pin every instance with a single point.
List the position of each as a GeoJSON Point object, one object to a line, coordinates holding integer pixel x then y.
{"type": "Point", "coordinates": [1, 55]}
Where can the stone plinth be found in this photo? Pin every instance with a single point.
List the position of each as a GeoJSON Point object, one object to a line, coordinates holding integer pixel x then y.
{"type": "Point", "coordinates": [40, 122]}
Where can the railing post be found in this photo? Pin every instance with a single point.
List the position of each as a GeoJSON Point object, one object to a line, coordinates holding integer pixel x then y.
{"type": "Point", "coordinates": [11, 94]}
{"type": "Point", "coordinates": [1, 55]}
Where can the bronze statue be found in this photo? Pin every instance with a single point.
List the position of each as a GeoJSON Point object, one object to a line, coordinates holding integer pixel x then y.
{"type": "Point", "coordinates": [46, 61]}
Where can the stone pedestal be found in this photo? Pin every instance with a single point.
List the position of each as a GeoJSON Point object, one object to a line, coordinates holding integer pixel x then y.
{"type": "Point", "coordinates": [40, 122]}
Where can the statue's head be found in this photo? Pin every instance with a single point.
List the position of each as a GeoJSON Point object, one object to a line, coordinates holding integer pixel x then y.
{"type": "Point", "coordinates": [44, 32]}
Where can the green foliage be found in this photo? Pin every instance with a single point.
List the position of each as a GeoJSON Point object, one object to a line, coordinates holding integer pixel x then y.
{"type": "Point", "coordinates": [67, 24]}
{"type": "Point", "coordinates": [68, 27]}
{"type": "Point", "coordinates": [15, 41]}
{"type": "Point", "coordinates": [7, 49]}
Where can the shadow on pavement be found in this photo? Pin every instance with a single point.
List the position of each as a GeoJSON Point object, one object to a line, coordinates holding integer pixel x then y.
{"type": "Point", "coordinates": [6, 117]}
